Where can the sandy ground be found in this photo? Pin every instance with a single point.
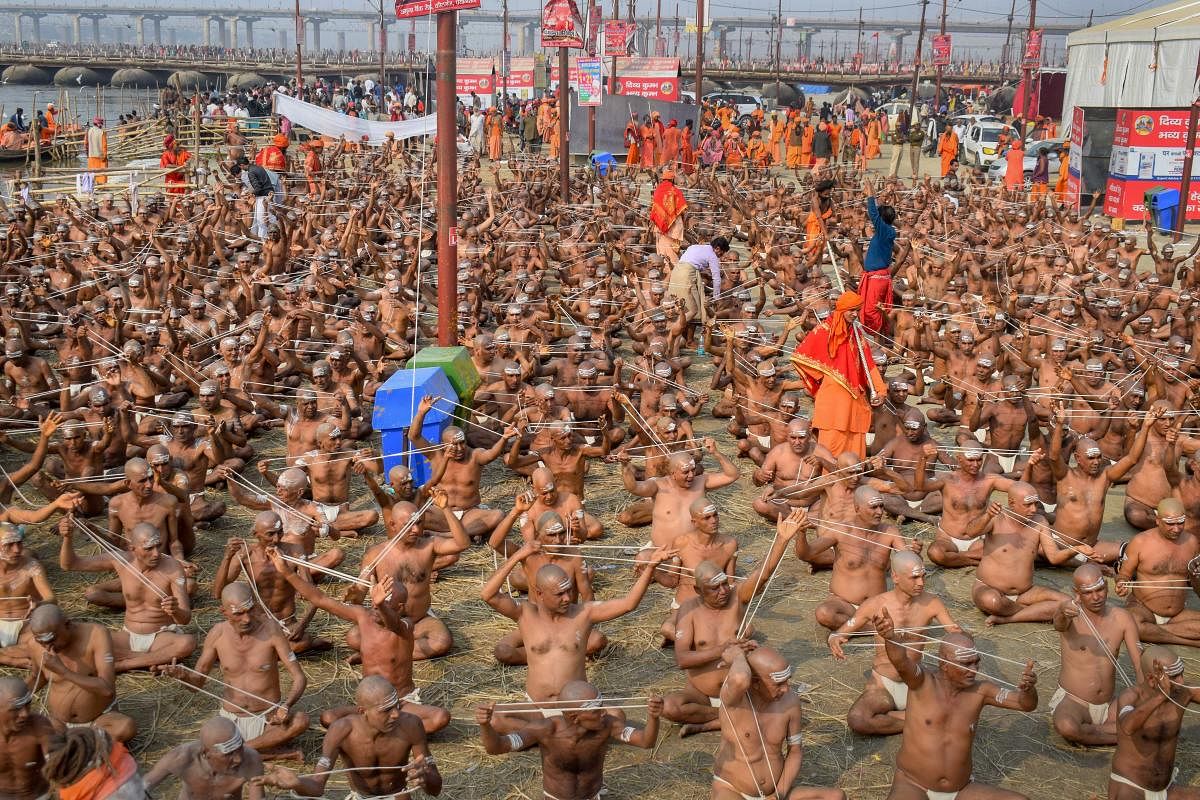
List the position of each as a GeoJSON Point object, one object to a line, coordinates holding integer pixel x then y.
{"type": "Point", "coordinates": [1014, 749]}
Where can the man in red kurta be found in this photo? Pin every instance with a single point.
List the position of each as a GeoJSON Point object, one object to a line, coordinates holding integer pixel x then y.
{"type": "Point", "coordinates": [831, 361]}
{"type": "Point", "coordinates": [272, 156]}
{"type": "Point", "coordinates": [666, 212]}
{"type": "Point", "coordinates": [174, 156]}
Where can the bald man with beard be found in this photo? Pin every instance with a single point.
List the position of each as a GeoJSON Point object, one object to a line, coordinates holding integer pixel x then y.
{"type": "Point", "coordinates": [761, 731]}
{"type": "Point", "coordinates": [945, 703]}
{"type": "Point", "coordinates": [711, 622]}
{"type": "Point", "coordinates": [574, 742]}
{"type": "Point", "coordinates": [1151, 715]}
{"type": "Point", "coordinates": [218, 766]}
{"type": "Point", "coordinates": [384, 748]}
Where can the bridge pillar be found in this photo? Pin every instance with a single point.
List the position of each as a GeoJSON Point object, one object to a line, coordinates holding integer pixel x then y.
{"type": "Point", "coordinates": [283, 42]}
{"type": "Point", "coordinates": [222, 33]}
{"type": "Point", "coordinates": [17, 27]}
{"type": "Point", "coordinates": [206, 23]}
{"type": "Point", "coordinates": [37, 28]}
{"type": "Point", "coordinates": [96, 29]}
{"type": "Point", "coordinates": [249, 21]}
{"type": "Point", "coordinates": [521, 40]}
{"type": "Point", "coordinates": [804, 43]}
{"type": "Point", "coordinates": [74, 29]}
{"type": "Point", "coordinates": [898, 37]}
{"type": "Point", "coordinates": [722, 42]}
{"type": "Point", "coordinates": [157, 29]}
{"type": "Point", "coordinates": [139, 24]}
{"type": "Point", "coordinates": [341, 40]}
{"type": "Point", "coordinates": [373, 36]}
{"type": "Point", "coordinates": [643, 41]}
{"type": "Point", "coordinates": [316, 33]}
{"type": "Point", "coordinates": [233, 32]}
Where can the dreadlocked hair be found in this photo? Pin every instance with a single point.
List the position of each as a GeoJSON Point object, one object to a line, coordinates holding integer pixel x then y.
{"type": "Point", "coordinates": [74, 753]}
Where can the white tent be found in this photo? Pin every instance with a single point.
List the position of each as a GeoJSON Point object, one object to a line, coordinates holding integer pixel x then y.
{"type": "Point", "coordinates": [1145, 60]}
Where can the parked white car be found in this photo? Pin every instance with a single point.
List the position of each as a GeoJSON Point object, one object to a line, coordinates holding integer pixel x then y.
{"type": "Point", "coordinates": [746, 104]}
{"type": "Point", "coordinates": [980, 143]}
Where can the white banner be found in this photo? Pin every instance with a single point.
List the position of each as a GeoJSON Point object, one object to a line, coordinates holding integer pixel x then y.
{"type": "Point", "coordinates": [328, 122]}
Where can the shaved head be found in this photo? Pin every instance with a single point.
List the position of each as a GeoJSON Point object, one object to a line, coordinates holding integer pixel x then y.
{"type": "Point", "coordinates": [373, 691]}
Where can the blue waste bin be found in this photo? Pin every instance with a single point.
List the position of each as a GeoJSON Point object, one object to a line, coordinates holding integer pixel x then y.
{"type": "Point", "coordinates": [396, 405]}
{"type": "Point", "coordinates": [1162, 205]}
{"type": "Point", "coordinates": [604, 163]}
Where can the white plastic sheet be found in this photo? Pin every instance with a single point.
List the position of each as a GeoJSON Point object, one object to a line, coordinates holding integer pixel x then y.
{"type": "Point", "coordinates": [328, 122]}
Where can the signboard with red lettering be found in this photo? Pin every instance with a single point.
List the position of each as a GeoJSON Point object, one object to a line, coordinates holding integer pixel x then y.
{"type": "Point", "coordinates": [1033, 49]}
{"type": "Point", "coordinates": [408, 9]}
{"type": "Point", "coordinates": [652, 78]}
{"type": "Point", "coordinates": [588, 81]}
{"type": "Point", "coordinates": [476, 75]}
{"type": "Point", "coordinates": [618, 35]}
{"type": "Point", "coordinates": [520, 77]}
{"type": "Point", "coordinates": [1147, 152]}
{"type": "Point", "coordinates": [1075, 160]}
{"type": "Point", "coordinates": [941, 50]}
{"type": "Point", "coordinates": [562, 25]}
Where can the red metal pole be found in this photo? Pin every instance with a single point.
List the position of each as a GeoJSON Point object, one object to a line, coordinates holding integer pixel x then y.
{"type": "Point", "coordinates": [1189, 152]}
{"type": "Point", "coordinates": [564, 124]}
{"type": "Point", "coordinates": [447, 181]}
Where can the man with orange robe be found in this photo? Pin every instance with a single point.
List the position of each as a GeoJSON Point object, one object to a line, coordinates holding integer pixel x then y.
{"type": "Point", "coordinates": [947, 148]}
{"type": "Point", "coordinates": [874, 137]}
{"type": "Point", "coordinates": [778, 130]}
{"type": "Point", "coordinates": [671, 139]}
{"type": "Point", "coordinates": [494, 130]}
{"type": "Point", "coordinates": [633, 135]}
{"type": "Point", "coordinates": [838, 371]}
{"type": "Point", "coordinates": [666, 212]}
{"type": "Point", "coordinates": [95, 144]}
{"type": "Point", "coordinates": [795, 138]}
{"type": "Point", "coordinates": [1060, 185]}
{"type": "Point", "coordinates": [174, 155]}
{"type": "Point", "coordinates": [1014, 168]}
{"type": "Point", "coordinates": [806, 143]}
{"type": "Point", "coordinates": [687, 150]}
{"type": "Point", "coordinates": [757, 154]}
{"type": "Point", "coordinates": [312, 164]}
{"type": "Point", "coordinates": [835, 139]}
{"type": "Point", "coordinates": [272, 156]}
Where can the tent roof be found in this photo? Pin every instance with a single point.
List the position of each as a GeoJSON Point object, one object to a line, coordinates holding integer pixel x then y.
{"type": "Point", "coordinates": [1173, 21]}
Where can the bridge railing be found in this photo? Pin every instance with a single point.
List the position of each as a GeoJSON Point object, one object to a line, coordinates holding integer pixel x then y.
{"type": "Point", "coordinates": [202, 58]}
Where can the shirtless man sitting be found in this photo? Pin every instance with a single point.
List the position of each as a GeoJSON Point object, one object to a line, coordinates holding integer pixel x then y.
{"type": "Point", "coordinates": [555, 630]}
{"type": "Point", "coordinates": [1083, 709]}
{"type": "Point", "coordinates": [249, 648]}
{"type": "Point", "coordinates": [710, 623]}
{"type": "Point", "coordinates": [385, 640]}
{"type": "Point", "coordinates": [756, 696]}
{"type": "Point", "coordinates": [329, 470]}
{"type": "Point", "coordinates": [413, 555]}
{"type": "Point", "coordinates": [880, 710]}
{"type": "Point", "coordinates": [217, 766]}
{"type": "Point", "coordinates": [965, 493]}
{"type": "Point", "coordinates": [25, 740]}
{"type": "Point", "coordinates": [460, 468]}
{"type": "Point", "coordinates": [548, 496]}
{"type": "Point", "coordinates": [1082, 488]}
{"type": "Point", "coordinates": [154, 589]}
{"type": "Point", "coordinates": [861, 548]}
{"type": "Point", "coordinates": [23, 585]}
{"type": "Point", "coordinates": [788, 464]}
{"type": "Point", "coordinates": [384, 747]}
{"type": "Point", "coordinates": [574, 742]}
{"type": "Point", "coordinates": [1152, 712]}
{"type": "Point", "coordinates": [1014, 536]}
{"type": "Point", "coordinates": [75, 659]}
{"type": "Point", "coordinates": [1160, 565]}
{"type": "Point", "coordinates": [671, 497]}
{"type": "Point", "coordinates": [945, 703]}
{"type": "Point", "coordinates": [704, 542]}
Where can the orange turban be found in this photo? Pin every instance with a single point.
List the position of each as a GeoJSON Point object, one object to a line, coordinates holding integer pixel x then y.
{"type": "Point", "coordinates": [839, 328]}
{"type": "Point", "coordinates": [280, 141]}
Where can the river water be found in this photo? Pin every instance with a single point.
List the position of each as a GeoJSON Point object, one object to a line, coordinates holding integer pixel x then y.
{"type": "Point", "coordinates": [79, 101]}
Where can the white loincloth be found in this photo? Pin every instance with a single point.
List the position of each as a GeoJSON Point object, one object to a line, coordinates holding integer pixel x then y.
{"type": "Point", "coordinates": [897, 690]}
{"type": "Point", "coordinates": [143, 642]}
{"type": "Point", "coordinates": [415, 695]}
{"type": "Point", "coordinates": [719, 779]}
{"type": "Point", "coordinates": [10, 631]}
{"type": "Point", "coordinates": [1051, 507]}
{"type": "Point", "coordinates": [1009, 462]}
{"type": "Point", "coordinates": [763, 441]}
{"type": "Point", "coordinates": [715, 702]}
{"type": "Point", "coordinates": [330, 511]}
{"type": "Point", "coordinates": [1097, 711]}
{"type": "Point", "coordinates": [397, 796]}
{"type": "Point", "coordinates": [1160, 619]}
{"type": "Point", "coordinates": [591, 440]}
{"type": "Point", "coordinates": [1147, 794]}
{"type": "Point", "coordinates": [459, 513]}
{"type": "Point", "coordinates": [870, 438]}
{"type": "Point", "coordinates": [546, 713]}
{"type": "Point", "coordinates": [250, 726]}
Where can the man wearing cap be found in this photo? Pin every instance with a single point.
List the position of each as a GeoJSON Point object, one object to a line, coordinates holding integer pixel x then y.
{"type": "Point", "coordinates": [573, 743]}
{"type": "Point", "coordinates": [756, 696]}
{"type": "Point", "coordinates": [1158, 567]}
{"type": "Point", "coordinates": [219, 765]}
{"type": "Point", "coordinates": [1148, 726]}
{"type": "Point", "coordinates": [274, 157]}
{"type": "Point", "coordinates": [384, 747]}
{"type": "Point", "coordinates": [26, 738]}
{"type": "Point", "coordinates": [249, 649]}
{"type": "Point", "coordinates": [73, 660]}
{"type": "Point", "coordinates": [944, 706]}
{"type": "Point", "coordinates": [712, 621]}
{"type": "Point", "coordinates": [174, 157]}
{"type": "Point", "coordinates": [95, 146]}
{"type": "Point", "coordinates": [839, 372]}
{"type": "Point", "coordinates": [153, 591]}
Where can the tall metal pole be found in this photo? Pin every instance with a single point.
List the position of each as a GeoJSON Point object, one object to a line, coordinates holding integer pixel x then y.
{"type": "Point", "coordinates": [699, 63]}
{"type": "Point", "coordinates": [912, 99]}
{"type": "Point", "coordinates": [1189, 153]}
{"type": "Point", "coordinates": [1006, 51]}
{"type": "Point", "coordinates": [447, 180]}
{"type": "Point", "coordinates": [1027, 72]}
{"type": "Point", "coordinates": [564, 124]}
{"type": "Point", "coordinates": [677, 30]}
{"type": "Point", "coordinates": [299, 50]}
{"type": "Point", "coordinates": [778, 50]}
{"type": "Point", "coordinates": [382, 57]}
{"type": "Point", "coordinates": [612, 72]}
{"type": "Point", "coordinates": [937, 89]}
{"type": "Point", "coordinates": [506, 57]}
{"type": "Point", "coordinates": [861, 55]}
{"type": "Point", "coordinates": [659, 44]}
{"type": "Point", "coordinates": [594, 12]}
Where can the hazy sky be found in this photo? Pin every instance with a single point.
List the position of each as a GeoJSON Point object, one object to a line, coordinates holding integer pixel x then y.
{"type": "Point", "coordinates": [485, 39]}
